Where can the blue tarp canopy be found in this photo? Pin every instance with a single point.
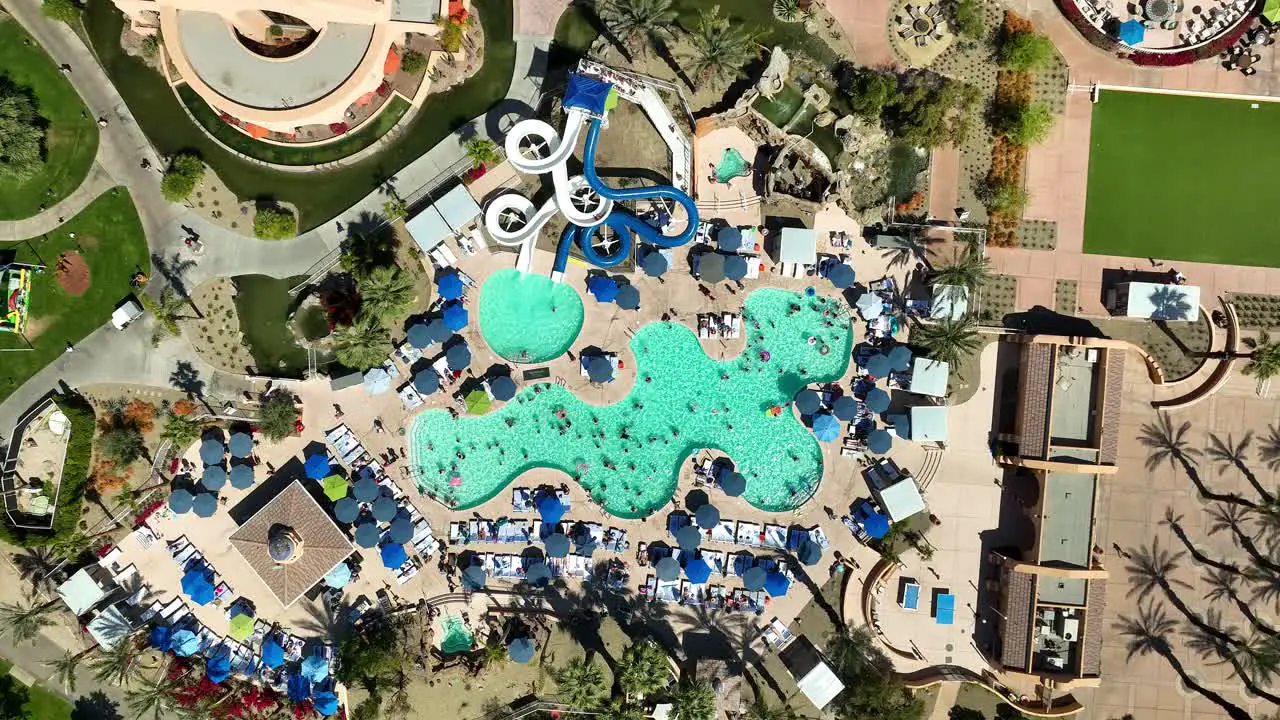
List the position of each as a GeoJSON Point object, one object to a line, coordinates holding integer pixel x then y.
{"type": "Point", "coordinates": [807, 402]}
{"type": "Point", "coordinates": [550, 509]}
{"type": "Point", "coordinates": [325, 703]}
{"type": "Point", "coordinates": [603, 287]}
{"type": "Point", "coordinates": [317, 467]}
{"type": "Point", "coordinates": [698, 571]}
{"type": "Point", "coordinates": [454, 316]}
{"type": "Point", "coordinates": [521, 650]}
{"type": "Point", "coordinates": [667, 569]}
{"type": "Point", "coordinates": [826, 427]}
{"type": "Point", "coordinates": [205, 505]}
{"type": "Point", "coordinates": [393, 556]}
{"type": "Point", "coordinates": [241, 444]}
{"type": "Point", "coordinates": [449, 286]}
{"type": "Point", "coordinates": [196, 584]}
{"type": "Point", "coordinates": [419, 335]}
{"type": "Point", "coordinates": [776, 584]}
{"type": "Point", "coordinates": [502, 387]}
{"type": "Point", "coordinates": [184, 643]}
{"type": "Point", "coordinates": [272, 653]}
{"type": "Point", "coordinates": [1131, 32]}
{"type": "Point", "coordinates": [180, 501]}
{"type": "Point", "coordinates": [628, 297]}
{"type": "Point", "coordinates": [587, 93]}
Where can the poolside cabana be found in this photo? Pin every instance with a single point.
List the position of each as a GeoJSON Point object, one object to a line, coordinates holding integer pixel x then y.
{"type": "Point", "coordinates": [797, 249]}
{"type": "Point", "coordinates": [950, 302]}
{"type": "Point", "coordinates": [445, 218]}
{"type": "Point", "coordinates": [82, 591]}
{"type": "Point", "coordinates": [813, 675]}
{"type": "Point", "coordinates": [929, 424]}
{"type": "Point", "coordinates": [1155, 301]}
{"type": "Point", "coordinates": [900, 500]}
{"type": "Point", "coordinates": [929, 377]}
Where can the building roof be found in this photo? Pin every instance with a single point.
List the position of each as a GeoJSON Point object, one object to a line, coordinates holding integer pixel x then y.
{"type": "Point", "coordinates": [81, 592]}
{"type": "Point", "coordinates": [1161, 301]}
{"type": "Point", "coordinates": [798, 245]}
{"type": "Point", "coordinates": [1019, 592]}
{"type": "Point", "coordinates": [458, 208]}
{"type": "Point", "coordinates": [949, 302]}
{"type": "Point", "coordinates": [1066, 525]}
{"type": "Point", "coordinates": [929, 377]}
{"type": "Point", "coordinates": [902, 499]}
{"type": "Point", "coordinates": [109, 627]}
{"type": "Point", "coordinates": [928, 423]}
{"type": "Point", "coordinates": [428, 228]}
{"type": "Point", "coordinates": [814, 677]}
{"type": "Point", "coordinates": [323, 544]}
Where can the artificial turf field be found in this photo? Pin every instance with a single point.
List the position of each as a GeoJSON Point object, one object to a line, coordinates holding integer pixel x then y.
{"type": "Point", "coordinates": [1184, 178]}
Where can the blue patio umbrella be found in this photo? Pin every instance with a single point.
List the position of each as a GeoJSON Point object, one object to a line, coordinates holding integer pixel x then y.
{"type": "Point", "coordinates": [826, 427]}
{"type": "Point", "coordinates": [438, 331]}
{"type": "Point", "coordinates": [733, 484]}
{"type": "Point", "coordinates": [1131, 32]}
{"type": "Point", "coordinates": [599, 369]}
{"type": "Point", "coordinates": [419, 336]}
{"type": "Point", "coordinates": [205, 505]}
{"type": "Point", "coordinates": [401, 530]}
{"type": "Point", "coordinates": [325, 703]}
{"type": "Point", "coordinates": [877, 400]}
{"type": "Point", "coordinates": [776, 584]}
{"type": "Point", "coordinates": [384, 509]}
{"type": "Point", "coordinates": [876, 524]}
{"type": "Point", "coordinates": [628, 297]}
{"type": "Point", "coordinates": [689, 538]}
{"type": "Point", "coordinates": [654, 264]}
{"type": "Point", "coordinates": [196, 585]}
{"type": "Point", "coordinates": [241, 444]}
{"type": "Point", "coordinates": [667, 569]}
{"type": "Point", "coordinates": [707, 516]}
{"type": "Point", "coordinates": [458, 357]}
{"type": "Point", "coordinates": [160, 637]}
{"type": "Point", "coordinates": [697, 570]}
{"type": "Point", "coordinates": [317, 467]}
{"type": "Point", "coordinates": [845, 407]}
{"type": "Point", "coordinates": [809, 552]}
{"type": "Point", "coordinates": [211, 451]}
{"type": "Point", "coordinates": [377, 381]}
{"type": "Point", "coordinates": [556, 545]}
{"type": "Point", "coordinates": [879, 441]}
{"type": "Point", "coordinates": [272, 653]}
{"type": "Point", "coordinates": [900, 358]}
{"type": "Point", "coordinates": [298, 688]}
{"type": "Point", "coordinates": [537, 574]}
{"type": "Point", "coordinates": [218, 667]}
{"type": "Point", "coordinates": [346, 510]}
{"type": "Point", "coordinates": [841, 275]}
{"type": "Point", "coordinates": [426, 382]}
{"type": "Point", "coordinates": [521, 650]}
{"type": "Point", "coordinates": [214, 477]}
{"type": "Point", "coordinates": [454, 316]}
{"type": "Point", "coordinates": [807, 402]}
{"type": "Point", "coordinates": [180, 501]}
{"type": "Point", "coordinates": [339, 576]}
{"type": "Point", "coordinates": [735, 267]}
{"type": "Point", "coordinates": [367, 535]}
{"type": "Point", "coordinates": [474, 577]}
{"type": "Point", "coordinates": [878, 366]}
{"type": "Point", "coordinates": [711, 267]}
{"type": "Point", "coordinates": [449, 286]}
{"type": "Point", "coordinates": [603, 287]}
{"type": "Point", "coordinates": [729, 239]}
{"type": "Point", "coordinates": [550, 509]}
{"type": "Point", "coordinates": [754, 578]}
{"type": "Point", "coordinates": [184, 643]}
{"type": "Point", "coordinates": [365, 490]}
{"type": "Point", "coordinates": [502, 387]}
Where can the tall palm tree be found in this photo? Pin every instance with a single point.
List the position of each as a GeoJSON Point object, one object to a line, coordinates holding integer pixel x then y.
{"type": "Point", "coordinates": [969, 268]}
{"type": "Point", "coordinates": [1232, 454]}
{"type": "Point", "coordinates": [639, 24]}
{"type": "Point", "coordinates": [1266, 517]}
{"type": "Point", "coordinates": [1264, 356]}
{"type": "Point", "coordinates": [694, 701]}
{"type": "Point", "coordinates": [1257, 659]}
{"type": "Point", "coordinates": [482, 152]}
{"type": "Point", "coordinates": [119, 665]}
{"type": "Point", "coordinates": [168, 310]}
{"type": "Point", "coordinates": [580, 683]}
{"type": "Point", "coordinates": [720, 48]}
{"type": "Point", "coordinates": [155, 697]}
{"type": "Point", "coordinates": [643, 670]}
{"type": "Point", "coordinates": [362, 345]}
{"type": "Point", "coordinates": [40, 567]}
{"type": "Point", "coordinates": [620, 709]}
{"type": "Point", "coordinates": [22, 621]}
{"type": "Point", "coordinates": [67, 668]}
{"type": "Point", "coordinates": [947, 340]}
{"type": "Point", "coordinates": [386, 293]}
{"type": "Point", "coordinates": [1264, 585]}
{"type": "Point", "coordinates": [1221, 584]}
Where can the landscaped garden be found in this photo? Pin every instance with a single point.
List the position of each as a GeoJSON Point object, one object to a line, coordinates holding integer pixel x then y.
{"type": "Point", "coordinates": [29, 703]}
{"type": "Point", "coordinates": [70, 137]}
{"type": "Point", "coordinates": [1182, 178]}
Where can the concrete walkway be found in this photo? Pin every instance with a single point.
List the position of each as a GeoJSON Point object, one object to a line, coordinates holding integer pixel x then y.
{"type": "Point", "coordinates": [95, 183]}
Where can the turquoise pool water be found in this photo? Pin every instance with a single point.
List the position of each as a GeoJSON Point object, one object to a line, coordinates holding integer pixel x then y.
{"type": "Point", "coordinates": [732, 165]}
{"type": "Point", "coordinates": [528, 318]}
{"type": "Point", "coordinates": [628, 455]}
{"type": "Point", "coordinates": [456, 637]}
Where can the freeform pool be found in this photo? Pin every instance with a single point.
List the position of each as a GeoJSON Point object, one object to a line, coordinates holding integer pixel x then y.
{"type": "Point", "coordinates": [514, 302]}
{"type": "Point", "coordinates": [628, 455]}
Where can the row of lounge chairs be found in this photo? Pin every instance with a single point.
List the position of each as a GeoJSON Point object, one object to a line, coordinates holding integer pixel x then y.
{"type": "Point", "coordinates": [711, 596]}
{"type": "Point", "coordinates": [523, 532]}
{"type": "Point", "coordinates": [719, 325]}
{"type": "Point", "coordinates": [741, 532]}
{"type": "Point", "coordinates": [513, 567]}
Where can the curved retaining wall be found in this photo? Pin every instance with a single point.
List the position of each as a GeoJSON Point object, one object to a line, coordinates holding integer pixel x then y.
{"type": "Point", "coordinates": [1220, 374]}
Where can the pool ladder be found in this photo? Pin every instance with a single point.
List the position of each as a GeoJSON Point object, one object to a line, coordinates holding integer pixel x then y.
{"type": "Point", "coordinates": [560, 381]}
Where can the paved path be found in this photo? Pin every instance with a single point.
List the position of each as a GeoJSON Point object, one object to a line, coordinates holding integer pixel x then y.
{"type": "Point", "coordinates": [866, 25]}
{"type": "Point", "coordinates": [95, 183]}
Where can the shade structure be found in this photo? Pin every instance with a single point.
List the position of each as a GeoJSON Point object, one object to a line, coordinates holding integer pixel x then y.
{"type": "Point", "coordinates": [211, 451]}
{"type": "Point", "coordinates": [241, 444]}
{"type": "Point", "coordinates": [180, 501]}
{"type": "Point", "coordinates": [826, 427]}
{"type": "Point", "coordinates": [599, 369]}
{"type": "Point", "coordinates": [458, 357]}
{"type": "Point", "coordinates": [1131, 32]}
{"type": "Point", "coordinates": [502, 387]}
{"type": "Point", "coordinates": [654, 264]}
{"type": "Point", "coordinates": [869, 305]}
{"type": "Point", "coordinates": [876, 524]}
{"type": "Point", "coordinates": [449, 286]}
{"type": "Point", "coordinates": [538, 574]}
{"type": "Point", "coordinates": [325, 703]}
{"type": "Point", "coordinates": [521, 650]}
{"type": "Point", "coordinates": [689, 538]}
{"type": "Point", "coordinates": [845, 408]}
{"type": "Point", "coordinates": [667, 569]}
{"type": "Point", "coordinates": [426, 382]}
{"type": "Point", "coordinates": [841, 275]}
{"type": "Point", "coordinates": [878, 366]}
{"type": "Point", "coordinates": [197, 586]}
{"type": "Point", "coordinates": [367, 535]}
{"type": "Point", "coordinates": [297, 688]}
{"type": "Point", "coordinates": [418, 336]}
{"type": "Point", "coordinates": [346, 510]}
{"type": "Point", "coordinates": [900, 358]}
{"type": "Point", "coordinates": [214, 477]}
{"type": "Point", "coordinates": [556, 545]}
{"type": "Point", "coordinates": [335, 487]}
{"type": "Point", "coordinates": [879, 441]}
{"type": "Point", "coordinates": [753, 579]}
{"type": "Point", "coordinates": [159, 637]}
{"type": "Point", "coordinates": [241, 627]}
{"type": "Point", "coordinates": [384, 509]}
{"type": "Point", "coordinates": [776, 584]}
{"type": "Point", "coordinates": [1271, 11]}
{"type": "Point", "coordinates": [438, 331]}
{"type": "Point", "coordinates": [697, 570]}
{"type": "Point", "coordinates": [603, 288]}
{"type": "Point", "coordinates": [317, 467]}
{"type": "Point", "coordinates": [205, 505]}
{"type": "Point", "coordinates": [401, 530]}
{"type": "Point", "coordinates": [807, 402]}
{"type": "Point", "coordinates": [809, 552]}
{"type": "Point", "coordinates": [366, 490]}
{"type": "Point", "coordinates": [711, 267]}
{"type": "Point", "coordinates": [315, 668]}
{"type": "Point", "coordinates": [628, 297]}
{"type": "Point", "coordinates": [707, 516]}
{"type": "Point", "coordinates": [877, 400]}
{"type": "Point", "coordinates": [393, 555]}
{"type": "Point", "coordinates": [729, 239]}
{"type": "Point", "coordinates": [454, 316]}
{"type": "Point", "coordinates": [733, 484]}
{"type": "Point", "coordinates": [474, 578]}
{"type": "Point", "coordinates": [377, 381]}
{"type": "Point", "coordinates": [339, 576]}
{"type": "Point", "coordinates": [478, 402]}
{"type": "Point", "coordinates": [184, 643]}
{"type": "Point", "coordinates": [550, 508]}
{"type": "Point", "coordinates": [735, 267]}
{"type": "Point", "coordinates": [272, 653]}
{"type": "Point", "coordinates": [241, 476]}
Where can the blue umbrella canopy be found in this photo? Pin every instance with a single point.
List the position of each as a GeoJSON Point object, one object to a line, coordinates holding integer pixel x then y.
{"type": "Point", "coordinates": [733, 484]}
{"type": "Point", "coordinates": [688, 538]}
{"type": "Point", "coordinates": [707, 516]}
{"type": "Point", "coordinates": [776, 584]}
{"type": "Point", "coordinates": [426, 382]}
{"type": "Point", "coordinates": [753, 579]}
{"type": "Point", "coordinates": [241, 476]}
{"type": "Point", "coordinates": [878, 366]}
{"type": "Point", "coordinates": [667, 569]}
{"type": "Point", "coordinates": [521, 650]}
{"type": "Point", "coordinates": [160, 637]}
{"type": "Point", "coordinates": [419, 336]}
{"type": "Point", "coordinates": [809, 552]}
{"type": "Point", "coordinates": [876, 525]}
{"type": "Point", "coordinates": [214, 477]}
{"type": "Point", "coordinates": [241, 444]}
{"type": "Point", "coordinates": [735, 267]}
{"type": "Point", "coordinates": [454, 316]}
{"type": "Point", "coordinates": [826, 427]}
{"type": "Point", "coordinates": [502, 387]}
{"type": "Point", "coordinates": [1132, 32]}
{"type": "Point", "coordinates": [697, 570]}
{"type": "Point", "coordinates": [599, 369]}
{"type": "Point", "coordinates": [538, 574]}
{"type": "Point", "coordinates": [211, 451]}
{"type": "Point", "coordinates": [365, 490]}
{"type": "Point", "coordinates": [401, 530]}
{"type": "Point", "coordinates": [877, 400]}
{"type": "Point", "coordinates": [377, 381]}
{"type": "Point", "coordinates": [184, 643]}
{"type": "Point", "coordinates": [339, 576]}
{"type": "Point", "coordinates": [628, 297]}
{"type": "Point", "coordinates": [205, 505]}
{"type": "Point", "coordinates": [317, 467]}
{"type": "Point", "coordinates": [879, 441]}
{"type": "Point", "coordinates": [346, 510]}
{"type": "Point", "coordinates": [474, 577]}
{"type": "Point", "coordinates": [219, 667]}
{"type": "Point", "coordinates": [654, 264]}
{"type": "Point", "coordinates": [458, 357]}
{"type": "Point", "coordinates": [384, 509]}
{"type": "Point", "coordinates": [729, 239]}
{"type": "Point", "coordinates": [272, 653]}
{"type": "Point", "coordinates": [180, 501]}
{"type": "Point", "coordinates": [196, 585]}
{"type": "Point", "coordinates": [367, 535]}
{"type": "Point", "coordinates": [900, 358]}
{"type": "Point", "coordinates": [841, 275]}
{"type": "Point", "coordinates": [845, 407]}
{"type": "Point", "coordinates": [438, 331]}
{"type": "Point", "coordinates": [711, 267]}
{"type": "Point", "coordinates": [393, 555]}
{"type": "Point", "coordinates": [550, 509]}
{"type": "Point", "coordinates": [807, 402]}
{"type": "Point", "coordinates": [298, 688]}
{"type": "Point", "coordinates": [603, 287]}
{"type": "Point", "coordinates": [325, 703]}
{"type": "Point", "coordinates": [556, 545]}
{"type": "Point", "coordinates": [449, 286]}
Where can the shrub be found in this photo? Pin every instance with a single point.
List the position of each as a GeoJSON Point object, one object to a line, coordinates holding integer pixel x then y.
{"type": "Point", "coordinates": [151, 45]}
{"type": "Point", "coordinates": [450, 37]}
{"type": "Point", "coordinates": [413, 62]}
{"type": "Point", "coordinates": [1023, 123]}
{"type": "Point", "coordinates": [122, 445]}
{"type": "Point", "coordinates": [1003, 195]}
{"type": "Point", "coordinates": [869, 91]}
{"type": "Point", "coordinates": [68, 11]}
{"type": "Point", "coordinates": [930, 109]}
{"type": "Point", "coordinates": [180, 180]}
{"type": "Point", "coordinates": [274, 224]}
{"type": "Point", "coordinates": [275, 31]}
{"type": "Point", "coordinates": [22, 132]}
{"type": "Point", "coordinates": [1025, 50]}
{"type": "Point", "coordinates": [278, 417]}
{"type": "Point", "coordinates": [967, 20]}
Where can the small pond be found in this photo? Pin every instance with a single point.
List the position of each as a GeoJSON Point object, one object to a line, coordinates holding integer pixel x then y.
{"type": "Point", "coordinates": [266, 308]}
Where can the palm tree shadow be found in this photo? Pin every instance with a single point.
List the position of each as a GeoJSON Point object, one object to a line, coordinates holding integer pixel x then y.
{"type": "Point", "coordinates": [1165, 443]}
{"type": "Point", "coordinates": [1230, 453]}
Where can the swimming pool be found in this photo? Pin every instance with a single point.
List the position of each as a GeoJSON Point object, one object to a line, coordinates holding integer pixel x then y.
{"type": "Point", "coordinates": [456, 637]}
{"type": "Point", "coordinates": [732, 165]}
{"type": "Point", "coordinates": [512, 302]}
{"type": "Point", "coordinates": [628, 455]}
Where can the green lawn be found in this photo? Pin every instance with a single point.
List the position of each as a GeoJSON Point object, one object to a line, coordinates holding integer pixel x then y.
{"type": "Point", "coordinates": [1183, 178]}
{"type": "Point", "coordinates": [110, 237]}
{"type": "Point", "coordinates": [362, 138]}
{"type": "Point", "coordinates": [29, 703]}
{"type": "Point", "coordinates": [318, 196]}
{"type": "Point", "coordinates": [72, 136]}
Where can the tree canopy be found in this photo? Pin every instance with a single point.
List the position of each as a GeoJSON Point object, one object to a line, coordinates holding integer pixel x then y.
{"type": "Point", "coordinates": [386, 293]}
{"type": "Point", "coordinates": [413, 62]}
{"type": "Point", "coordinates": [966, 19]}
{"type": "Point", "coordinates": [872, 690]}
{"type": "Point", "coordinates": [68, 11]}
{"type": "Point", "coordinates": [181, 178]}
{"type": "Point", "coordinates": [362, 345]}
{"type": "Point", "coordinates": [278, 416]}
{"type": "Point", "coordinates": [643, 669]}
{"type": "Point", "coordinates": [22, 132]}
{"type": "Point", "coordinates": [122, 445]}
{"type": "Point", "coordinates": [1025, 50]}
{"type": "Point", "coordinates": [271, 223]}
{"type": "Point", "coordinates": [1023, 123]}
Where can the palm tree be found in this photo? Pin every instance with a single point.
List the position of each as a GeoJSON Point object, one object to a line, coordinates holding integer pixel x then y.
{"type": "Point", "coordinates": [40, 566]}
{"type": "Point", "coordinates": [620, 709]}
{"type": "Point", "coordinates": [67, 668]}
{"type": "Point", "coordinates": [694, 701]}
{"type": "Point", "coordinates": [398, 704]}
{"type": "Point", "coordinates": [386, 293]}
{"type": "Point", "coordinates": [1166, 443]}
{"type": "Point", "coordinates": [759, 709]}
{"type": "Point", "coordinates": [1264, 585]}
{"type": "Point", "coordinates": [362, 345]}
{"type": "Point", "coordinates": [854, 653]}
{"type": "Point", "coordinates": [1264, 358]}
{"type": "Point", "coordinates": [643, 670]}
{"type": "Point", "coordinates": [1229, 453]}
{"type": "Point", "coordinates": [720, 48]}
{"type": "Point", "coordinates": [482, 152]}
{"type": "Point", "coordinates": [1174, 521]}
{"type": "Point", "coordinates": [639, 24]}
{"type": "Point", "coordinates": [1230, 516]}
{"type": "Point", "coordinates": [168, 311]}
{"type": "Point", "coordinates": [119, 665]}
{"type": "Point", "coordinates": [156, 697]}
{"type": "Point", "coordinates": [947, 340]}
{"type": "Point", "coordinates": [580, 683]}
{"type": "Point", "coordinates": [970, 269]}
{"type": "Point", "coordinates": [1213, 648]}
{"type": "Point", "coordinates": [1257, 659]}
{"type": "Point", "coordinates": [22, 621]}
{"type": "Point", "coordinates": [1221, 583]}
{"type": "Point", "coordinates": [787, 10]}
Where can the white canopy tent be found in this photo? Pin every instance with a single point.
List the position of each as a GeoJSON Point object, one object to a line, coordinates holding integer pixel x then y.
{"type": "Point", "coordinates": [81, 592]}
{"type": "Point", "coordinates": [1158, 301]}
{"type": "Point", "coordinates": [929, 377]}
{"type": "Point", "coordinates": [798, 245]}
{"type": "Point", "coordinates": [902, 499]}
{"type": "Point", "coordinates": [443, 219]}
{"type": "Point", "coordinates": [929, 423]}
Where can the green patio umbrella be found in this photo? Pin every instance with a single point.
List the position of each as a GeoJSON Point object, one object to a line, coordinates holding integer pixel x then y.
{"type": "Point", "coordinates": [241, 627]}
{"type": "Point", "coordinates": [335, 487]}
{"type": "Point", "coordinates": [478, 402]}
{"type": "Point", "coordinates": [1271, 11]}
